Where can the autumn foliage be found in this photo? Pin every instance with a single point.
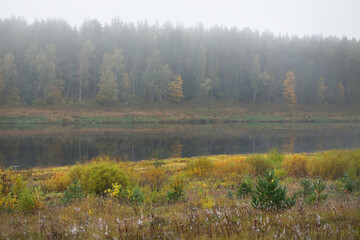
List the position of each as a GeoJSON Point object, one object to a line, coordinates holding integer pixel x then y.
{"type": "Point", "coordinates": [289, 87]}
{"type": "Point", "coordinates": [176, 89]}
{"type": "Point", "coordinates": [295, 165]}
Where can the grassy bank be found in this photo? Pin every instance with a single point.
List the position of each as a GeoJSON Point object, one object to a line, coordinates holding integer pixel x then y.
{"type": "Point", "coordinates": [88, 114]}
{"type": "Point", "coordinates": [188, 198]}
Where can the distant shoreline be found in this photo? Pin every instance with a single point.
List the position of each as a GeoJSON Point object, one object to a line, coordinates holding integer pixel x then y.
{"type": "Point", "coordinates": [211, 113]}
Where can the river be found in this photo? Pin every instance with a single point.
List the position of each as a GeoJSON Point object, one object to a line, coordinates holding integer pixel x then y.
{"type": "Point", "coordinates": [58, 146]}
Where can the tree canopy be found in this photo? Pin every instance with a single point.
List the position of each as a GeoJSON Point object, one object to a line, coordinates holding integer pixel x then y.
{"type": "Point", "coordinates": [49, 61]}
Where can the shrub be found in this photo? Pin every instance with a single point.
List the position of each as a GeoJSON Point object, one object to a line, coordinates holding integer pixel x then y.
{"type": "Point", "coordinates": [8, 201]}
{"type": "Point", "coordinates": [200, 167]}
{"type": "Point", "coordinates": [307, 188]}
{"type": "Point", "coordinates": [269, 195]}
{"type": "Point", "coordinates": [155, 160]}
{"type": "Point", "coordinates": [57, 183]}
{"type": "Point", "coordinates": [154, 177]}
{"type": "Point", "coordinates": [154, 197]}
{"type": "Point", "coordinates": [355, 159]}
{"type": "Point", "coordinates": [295, 165]}
{"type": "Point", "coordinates": [75, 172]}
{"type": "Point", "coordinates": [331, 164]}
{"type": "Point", "coordinates": [135, 195]}
{"type": "Point", "coordinates": [245, 188]}
{"type": "Point", "coordinates": [99, 176]}
{"type": "Point", "coordinates": [10, 182]}
{"type": "Point", "coordinates": [73, 192]}
{"type": "Point", "coordinates": [30, 199]}
{"type": "Point", "coordinates": [229, 194]}
{"type": "Point", "coordinates": [349, 184]}
{"type": "Point", "coordinates": [312, 192]}
{"type": "Point", "coordinates": [14, 194]}
{"type": "Point", "coordinates": [275, 157]}
{"type": "Point", "coordinates": [5, 182]}
{"type": "Point", "coordinates": [281, 173]}
{"type": "Point", "coordinates": [319, 186]}
{"type": "Point", "coordinates": [233, 165]}
{"type": "Point", "coordinates": [260, 163]}
{"type": "Point", "coordinates": [176, 185]}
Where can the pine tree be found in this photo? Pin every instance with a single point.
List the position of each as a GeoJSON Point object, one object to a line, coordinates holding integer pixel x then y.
{"type": "Point", "coordinates": [176, 89]}
{"type": "Point", "coordinates": [269, 195]}
{"type": "Point", "coordinates": [289, 86]}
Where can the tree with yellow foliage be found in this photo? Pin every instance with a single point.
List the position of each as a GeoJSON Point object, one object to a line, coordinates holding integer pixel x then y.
{"type": "Point", "coordinates": [289, 86]}
{"type": "Point", "coordinates": [176, 89]}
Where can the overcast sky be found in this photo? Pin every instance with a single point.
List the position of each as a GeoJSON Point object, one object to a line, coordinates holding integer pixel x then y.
{"type": "Point", "coordinates": [294, 17]}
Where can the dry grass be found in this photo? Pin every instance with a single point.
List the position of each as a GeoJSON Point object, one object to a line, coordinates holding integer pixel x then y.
{"type": "Point", "coordinates": [209, 210]}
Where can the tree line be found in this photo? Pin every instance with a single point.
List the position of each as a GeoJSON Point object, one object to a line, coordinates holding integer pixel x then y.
{"type": "Point", "coordinates": [49, 61]}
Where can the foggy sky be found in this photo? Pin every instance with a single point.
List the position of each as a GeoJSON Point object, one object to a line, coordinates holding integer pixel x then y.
{"type": "Point", "coordinates": [301, 17]}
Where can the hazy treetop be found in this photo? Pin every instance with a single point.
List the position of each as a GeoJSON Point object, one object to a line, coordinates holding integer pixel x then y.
{"type": "Point", "coordinates": [294, 17]}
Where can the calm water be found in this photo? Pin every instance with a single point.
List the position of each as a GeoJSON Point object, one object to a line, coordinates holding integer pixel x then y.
{"type": "Point", "coordinates": [53, 147]}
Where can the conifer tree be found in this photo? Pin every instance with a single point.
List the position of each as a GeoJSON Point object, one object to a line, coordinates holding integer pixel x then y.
{"type": "Point", "coordinates": [269, 195]}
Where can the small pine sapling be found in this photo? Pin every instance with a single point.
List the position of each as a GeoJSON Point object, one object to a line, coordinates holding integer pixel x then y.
{"type": "Point", "coordinates": [269, 194]}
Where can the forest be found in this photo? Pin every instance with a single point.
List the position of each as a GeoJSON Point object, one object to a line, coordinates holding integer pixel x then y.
{"type": "Point", "coordinates": [50, 61]}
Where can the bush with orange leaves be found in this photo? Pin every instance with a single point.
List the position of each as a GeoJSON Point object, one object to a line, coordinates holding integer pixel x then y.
{"type": "Point", "coordinates": [233, 166]}
{"type": "Point", "coordinates": [295, 165]}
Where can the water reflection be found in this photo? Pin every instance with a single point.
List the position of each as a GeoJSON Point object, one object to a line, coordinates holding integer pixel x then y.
{"type": "Point", "coordinates": [67, 147]}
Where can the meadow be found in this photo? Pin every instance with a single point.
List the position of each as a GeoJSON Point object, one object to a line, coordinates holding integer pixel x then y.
{"type": "Point", "coordinates": [259, 196]}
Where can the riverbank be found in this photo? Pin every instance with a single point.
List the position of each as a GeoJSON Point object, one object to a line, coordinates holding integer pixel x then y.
{"type": "Point", "coordinates": [186, 113]}
{"type": "Point", "coordinates": [190, 198]}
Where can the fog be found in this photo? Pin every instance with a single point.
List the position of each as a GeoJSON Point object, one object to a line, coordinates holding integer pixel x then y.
{"type": "Point", "coordinates": [305, 17]}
